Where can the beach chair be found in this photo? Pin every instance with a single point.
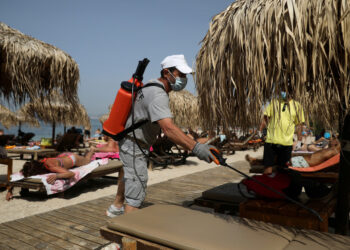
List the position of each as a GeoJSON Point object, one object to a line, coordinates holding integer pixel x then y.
{"type": "Point", "coordinates": [113, 166]}
{"type": "Point", "coordinates": [175, 227]}
{"type": "Point", "coordinates": [69, 142]}
{"type": "Point", "coordinates": [4, 182]}
{"type": "Point", "coordinates": [229, 146]}
{"type": "Point", "coordinates": [165, 153]}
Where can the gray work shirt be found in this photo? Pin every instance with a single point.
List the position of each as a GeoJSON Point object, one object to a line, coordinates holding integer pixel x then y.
{"type": "Point", "coordinates": [152, 104]}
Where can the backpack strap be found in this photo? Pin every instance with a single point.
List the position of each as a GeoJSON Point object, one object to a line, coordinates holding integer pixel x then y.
{"type": "Point", "coordinates": [155, 84]}
{"type": "Point", "coordinates": [122, 134]}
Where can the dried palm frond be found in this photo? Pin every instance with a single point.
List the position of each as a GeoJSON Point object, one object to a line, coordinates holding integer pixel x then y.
{"type": "Point", "coordinates": [103, 118]}
{"type": "Point", "coordinates": [30, 68]}
{"type": "Point", "coordinates": [7, 117]}
{"type": "Point", "coordinates": [254, 49]}
{"type": "Point", "coordinates": [21, 118]}
{"type": "Point", "coordinates": [53, 109]}
{"type": "Point", "coordinates": [184, 107]}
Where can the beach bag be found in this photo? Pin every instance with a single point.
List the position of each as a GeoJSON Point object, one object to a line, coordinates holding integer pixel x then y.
{"type": "Point", "coordinates": [279, 182]}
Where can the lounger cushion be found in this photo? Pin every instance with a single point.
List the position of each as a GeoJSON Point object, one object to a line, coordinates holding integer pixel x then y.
{"type": "Point", "coordinates": [184, 228]}
{"type": "Point", "coordinates": [330, 162]}
{"type": "Point", "coordinates": [312, 240]}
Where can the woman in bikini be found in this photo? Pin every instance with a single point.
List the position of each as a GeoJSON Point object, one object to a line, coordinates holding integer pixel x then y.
{"type": "Point", "coordinates": [59, 165]}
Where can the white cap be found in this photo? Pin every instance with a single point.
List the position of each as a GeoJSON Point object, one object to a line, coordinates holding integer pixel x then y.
{"type": "Point", "coordinates": [177, 61]}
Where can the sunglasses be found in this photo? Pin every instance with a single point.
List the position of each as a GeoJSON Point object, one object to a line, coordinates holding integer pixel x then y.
{"type": "Point", "coordinates": [284, 107]}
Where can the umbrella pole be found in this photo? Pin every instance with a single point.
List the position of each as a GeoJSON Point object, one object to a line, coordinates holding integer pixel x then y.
{"type": "Point", "coordinates": [64, 129]}
{"type": "Point", "coordinates": [342, 209]}
{"type": "Point", "coordinates": [19, 127]}
{"type": "Point", "coordinates": [53, 132]}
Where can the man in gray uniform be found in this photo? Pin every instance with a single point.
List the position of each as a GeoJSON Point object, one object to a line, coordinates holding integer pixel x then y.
{"type": "Point", "coordinates": [152, 104]}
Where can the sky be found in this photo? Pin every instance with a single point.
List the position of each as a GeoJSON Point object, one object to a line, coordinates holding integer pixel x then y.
{"type": "Point", "coordinates": [107, 38]}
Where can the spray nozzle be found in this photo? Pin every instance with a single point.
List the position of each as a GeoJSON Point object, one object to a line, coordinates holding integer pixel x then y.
{"type": "Point", "coordinates": [141, 67]}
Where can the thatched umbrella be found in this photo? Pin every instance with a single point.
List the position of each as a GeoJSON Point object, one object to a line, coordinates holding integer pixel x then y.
{"type": "Point", "coordinates": [253, 49]}
{"type": "Point", "coordinates": [30, 68]}
{"type": "Point", "coordinates": [103, 118]}
{"type": "Point", "coordinates": [184, 107]}
{"type": "Point", "coordinates": [7, 117]}
{"type": "Point", "coordinates": [20, 117]}
{"type": "Point", "coordinates": [79, 117]}
{"type": "Point", "coordinates": [54, 110]}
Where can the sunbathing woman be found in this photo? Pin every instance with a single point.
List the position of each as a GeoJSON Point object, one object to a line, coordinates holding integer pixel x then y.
{"type": "Point", "coordinates": [307, 160]}
{"type": "Point", "coordinates": [58, 165]}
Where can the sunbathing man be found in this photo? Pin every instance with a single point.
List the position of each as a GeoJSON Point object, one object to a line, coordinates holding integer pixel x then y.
{"type": "Point", "coordinates": [307, 160]}
{"type": "Point", "coordinates": [320, 144]}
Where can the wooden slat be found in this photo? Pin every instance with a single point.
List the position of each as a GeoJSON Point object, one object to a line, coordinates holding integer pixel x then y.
{"type": "Point", "coordinates": [26, 238]}
{"type": "Point", "coordinates": [69, 241]}
{"type": "Point", "coordinates": [84, 225]}
{"type": "Point", "coordinates": [57, 242]}
{"type": "Point", "coordinates": [87, 215]}
{"type": "Point", "coordinates": [115, 236]}
{"type": "Point", "coordinates": [71, 227]}
{"type": "Point", "coordinates": [14, 243]}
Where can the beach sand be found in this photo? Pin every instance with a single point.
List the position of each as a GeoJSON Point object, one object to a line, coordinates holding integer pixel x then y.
{"type": "Point", "coordinates": [37, 202]}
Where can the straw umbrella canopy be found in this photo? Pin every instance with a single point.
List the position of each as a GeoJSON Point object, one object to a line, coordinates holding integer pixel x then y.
{"type": "Point", "coordinates": [55, 110]}
{"type": "Point", "coordinates": [30, 68]}
{"type": "Point", "coordinates": [254, 49]}
{"type": "Point", "coordinates": [7, 117]}
{"type": "Point", "coordinates": [184, 107]}
{"type": "Point", "coordinates": [20, 117]}
{"type": "Point", "coordinates": [78, 117]}
{"type": "Point", "coordinates": [103, 118]}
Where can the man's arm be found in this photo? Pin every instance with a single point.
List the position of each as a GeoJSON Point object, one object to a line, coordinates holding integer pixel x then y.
{"type": "Point", "coordinates": [175, 134]}
{"type": "Point", "coordinates": [299, 129]}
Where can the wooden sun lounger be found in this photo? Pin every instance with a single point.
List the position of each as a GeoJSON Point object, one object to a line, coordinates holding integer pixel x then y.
{"type": "Point", "coordinates": [9, 163]}
{"type": "Point", "coordinates": [175, 227]}
{"type": "Point", "coordinates": [34, 153]}
{"type": "Point", "coordinates": [113, 166]}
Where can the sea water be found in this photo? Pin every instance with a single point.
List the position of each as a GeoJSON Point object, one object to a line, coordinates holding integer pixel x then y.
{"type": "Point", "coordinates": [45, 129]}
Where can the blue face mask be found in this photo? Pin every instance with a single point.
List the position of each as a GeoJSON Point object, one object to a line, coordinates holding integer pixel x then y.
{"type": "Point", "coordinates": [180, 83]}
{"type": "Point", "coordinates": [327, 135]}
{"type": "Point", "coordinates": [283, 94]}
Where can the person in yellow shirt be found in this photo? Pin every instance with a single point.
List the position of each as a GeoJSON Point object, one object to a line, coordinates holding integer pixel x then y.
{"type": "Point", "coordinates": [282, 116]}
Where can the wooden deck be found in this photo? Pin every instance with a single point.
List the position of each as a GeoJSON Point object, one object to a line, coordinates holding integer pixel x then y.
{"type": "Point", "coordinates": [77, 226]}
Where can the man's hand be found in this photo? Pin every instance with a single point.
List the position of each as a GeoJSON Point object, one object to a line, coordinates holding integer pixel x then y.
{"type": "Point", "coordinates": [202, 151]}
{"type": "Point", "coordinates": [51, 179]}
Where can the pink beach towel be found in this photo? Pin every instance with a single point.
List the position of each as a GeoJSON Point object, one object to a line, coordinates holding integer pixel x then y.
{"type": "Point", "coordinates": [105, 155]}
